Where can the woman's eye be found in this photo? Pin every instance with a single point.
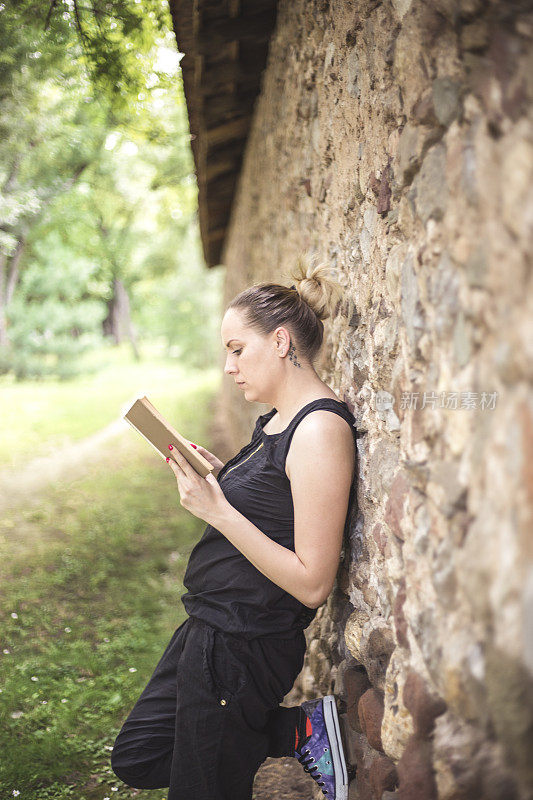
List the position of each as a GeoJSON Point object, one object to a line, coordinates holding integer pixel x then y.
{"type": "Point", "coordinates": [236, 352]}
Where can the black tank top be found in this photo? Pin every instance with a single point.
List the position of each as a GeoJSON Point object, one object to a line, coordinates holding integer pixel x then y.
{"type": "Point", "coordinates": [224, 588]}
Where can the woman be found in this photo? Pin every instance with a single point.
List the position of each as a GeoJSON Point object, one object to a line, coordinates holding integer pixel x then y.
{"type": "Point", "coordinates": [276, 513]}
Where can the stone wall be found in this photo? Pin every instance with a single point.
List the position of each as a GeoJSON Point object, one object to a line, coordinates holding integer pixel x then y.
{"type": "Point", "coordinates": [396, 140]}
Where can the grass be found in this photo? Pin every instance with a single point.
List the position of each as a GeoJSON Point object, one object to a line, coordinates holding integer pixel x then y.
{"type": "Point", "coordinates": [39, 417]}
{"type": "Point", "coordinates": [90, 582]}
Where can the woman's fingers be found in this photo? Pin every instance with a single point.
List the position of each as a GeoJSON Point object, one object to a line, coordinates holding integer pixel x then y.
{"type": "Point", "coordinates": [213, 460]}
{"type": "Point", "coordinates": [202, 450]}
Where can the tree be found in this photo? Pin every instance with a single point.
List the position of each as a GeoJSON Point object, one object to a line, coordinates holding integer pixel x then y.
{"type": "Point", "coordinates": [98, 179]}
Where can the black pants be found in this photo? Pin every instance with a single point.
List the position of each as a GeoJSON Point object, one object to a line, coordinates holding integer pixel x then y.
{"type": "Point", "coordinates": [210, 714]}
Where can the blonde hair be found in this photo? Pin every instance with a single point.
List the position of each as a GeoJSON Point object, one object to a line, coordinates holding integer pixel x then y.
{"type": "Point", "coordinates": [315, 285]}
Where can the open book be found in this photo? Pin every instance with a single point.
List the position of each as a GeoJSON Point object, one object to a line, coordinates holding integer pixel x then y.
{"type": "Point", "coordinates": [147, 420]}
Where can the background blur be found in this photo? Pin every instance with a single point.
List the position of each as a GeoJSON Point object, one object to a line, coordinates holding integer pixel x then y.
{"type": "Point", "coordinates": [103, 295]}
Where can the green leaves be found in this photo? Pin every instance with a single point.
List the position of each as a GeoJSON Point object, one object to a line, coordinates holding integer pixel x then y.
{"type": "Point", "coordinates": [116, 39]}
{"type": "Point", "coordinates": [98, 197]}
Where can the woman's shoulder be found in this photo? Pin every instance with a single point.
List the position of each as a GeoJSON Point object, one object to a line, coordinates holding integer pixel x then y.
{"type": "Point", "coordinates": [320, 423]}
{"type": "Point", "coordinates": [322, 419]}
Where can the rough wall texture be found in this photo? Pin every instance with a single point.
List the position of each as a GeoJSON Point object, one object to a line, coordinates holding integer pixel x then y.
{"type": "Point", "coordinates": [396, 139]}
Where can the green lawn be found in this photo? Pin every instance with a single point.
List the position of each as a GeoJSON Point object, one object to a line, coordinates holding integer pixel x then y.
{"type": "Point", "coordinates": [38, 417]}
{"type": "Point", "coordinates": [90, 582]}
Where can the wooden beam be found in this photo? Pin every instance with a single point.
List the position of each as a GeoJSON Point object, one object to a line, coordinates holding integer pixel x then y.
{"type": "Point", "coordinates": [230, 29]}
{"type": "Point", "coordinates": [231, 129]}
{"type": "Point", "coordinates": [227, 76]}
{"type": "Point", "coordinates": [210, 119]}
{"type": "Point", "coordinates": [221, 165]}
{"type": "Point", "coordinates": [206, 46]}
{"type": "Point", "coordinates": [217, 234]}
{"type": "Point", "coordinates": [220, 105]}
{"type": "Point", "coordinates": [226, 46]}
{"type": "Point", "coordinates": [222, 183]}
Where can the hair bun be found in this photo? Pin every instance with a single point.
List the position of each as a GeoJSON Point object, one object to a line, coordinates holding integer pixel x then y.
{"type": "Point", "coordinates": [317, 287]}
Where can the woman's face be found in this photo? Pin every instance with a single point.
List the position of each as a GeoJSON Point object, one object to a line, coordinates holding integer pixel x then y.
{"type": "Point", "coordinates": [253, 360]}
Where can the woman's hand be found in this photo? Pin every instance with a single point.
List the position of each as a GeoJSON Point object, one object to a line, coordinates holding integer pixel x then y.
{"type": "Point", "coordinates": [213, 460]}
{"type": "Point", "coordinates": [203, 497]}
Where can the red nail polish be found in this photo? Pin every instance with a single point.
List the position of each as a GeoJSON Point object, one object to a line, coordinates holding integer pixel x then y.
{"type": "Point", "coordinates": [170, 447]}
{"type": "Point", "coordinates": [194, 446]}
{"type": "Point", "coordinates": [168, 459]}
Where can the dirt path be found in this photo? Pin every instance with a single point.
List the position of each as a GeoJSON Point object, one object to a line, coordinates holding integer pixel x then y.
{"type": "Point", "coordinates": [276, 779]}
{"type": "Point", "coordinates": [23, 485]}
{"type": "Point", "coordinates": [283, 779]}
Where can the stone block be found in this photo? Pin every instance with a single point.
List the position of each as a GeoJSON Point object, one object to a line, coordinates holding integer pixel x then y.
{"type": "Point", "coordinates": [382, 775]}
{"type": "Point", "coordinates": [353, 790]}
{"type": "Point", "coordinates": [443, 292]}
{"type": "Point", "coordinates": [353, 74]}
{"type": "Point", "coordinates": [348, 740]}
{"type": "Point", "coordinates": [462, 340]}
{"type": "Point", "coordinates": [414, 142]}
{"type": "Point", "coordinates": [401, 7]}
{"type": "Point", "coordinates": [415, 772]}
{"type": "Point", "coordinates": [380, 537]}
{"type": "Point", "coordinates": [446, 100]}
{"type": "Point", "coordinates": [413, 315]}
{"type": "Point", "coordinates": [430, 190]}
{"type": "Point", "coordinates": [356, 683]}
{"type": "Point", "coordinates": [400, 623]}
{"type": "Point", "coordinates": [395, 507]}
{"type": "Point", "coordinates": [397, 724]}
{"type": "Point", "coordinates": [422, 704]}
{"type": "Point", "coordinates": [477, 265]}
{"type": "Point", "coordinates": [370, 709]}
{"type": "Point", "coordinates": [445, 489]}
{"type": "Point", "coordinates": [475, 36]}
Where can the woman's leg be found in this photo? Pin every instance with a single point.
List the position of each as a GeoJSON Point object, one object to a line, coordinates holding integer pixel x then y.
{"type": "Point", "coordinates": [216, 753]}
{"type": "Point", "coordinates": [317, 743]}
{"type": "Point", "coordinates": [283, 723]}
{"type": "Point", "coordinates": [224, 705]}
{"type": "Point", "coordinates": [186, 730]}
{"type": "Point", "coordinates": [272, 666]}
{"type": "Point", "coordinates": [209, 715]}
{"type": "Point", "coordinates": [142, 751]}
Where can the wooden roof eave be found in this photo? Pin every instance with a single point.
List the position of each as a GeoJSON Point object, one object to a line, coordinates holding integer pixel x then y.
{"type": "Point", "coordinates": [225, 46]}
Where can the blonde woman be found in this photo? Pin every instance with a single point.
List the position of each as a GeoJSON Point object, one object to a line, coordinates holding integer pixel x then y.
{"type": "Point", "coordinates": [276, 513]}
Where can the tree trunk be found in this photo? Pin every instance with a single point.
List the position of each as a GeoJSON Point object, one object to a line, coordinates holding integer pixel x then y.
{"type": "Point", "coordinates": [3, 304]}
{"type": "Point", "coordinates": [9, 273]}
{"type": "Point", "coordinates": [118, 322]}
{"type": "Point", "coordinates": [13, 272]}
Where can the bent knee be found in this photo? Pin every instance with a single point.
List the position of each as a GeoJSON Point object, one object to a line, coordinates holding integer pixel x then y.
{"type": "Point", "coordinates": [128, 772]}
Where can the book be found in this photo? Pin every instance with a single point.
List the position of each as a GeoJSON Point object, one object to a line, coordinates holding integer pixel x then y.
{"type": "Point", "coordinates": [146, 420]}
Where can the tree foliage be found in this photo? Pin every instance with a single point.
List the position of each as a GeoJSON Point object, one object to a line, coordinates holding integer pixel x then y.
{"type": "Point", "coordinates": [97, 184]}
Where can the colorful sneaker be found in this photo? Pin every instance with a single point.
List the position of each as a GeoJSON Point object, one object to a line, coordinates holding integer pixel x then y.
{"type": "Point", "coordinates": [318, 747]}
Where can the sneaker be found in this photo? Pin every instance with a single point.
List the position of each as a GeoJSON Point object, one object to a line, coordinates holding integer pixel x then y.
{"type": "Point", "coordinates": [318, 747]}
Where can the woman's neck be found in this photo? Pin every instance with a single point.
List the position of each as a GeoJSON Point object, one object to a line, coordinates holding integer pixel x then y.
{"type": "Point", "coordinates": [287, 405]}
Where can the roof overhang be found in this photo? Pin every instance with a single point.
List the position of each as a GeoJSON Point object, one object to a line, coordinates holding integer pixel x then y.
{"type": "Point", "coordinates": [225, 46]}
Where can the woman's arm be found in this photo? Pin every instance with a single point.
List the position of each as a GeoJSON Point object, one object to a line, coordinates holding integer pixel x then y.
{"type": "Point", "coordinates": [277, 562]}
{"type": "Point", "coordinates": [320, 463]}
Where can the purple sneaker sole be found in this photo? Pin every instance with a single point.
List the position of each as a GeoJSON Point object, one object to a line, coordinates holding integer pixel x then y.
{"type": "Point", "coordinates": [322, 756]}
